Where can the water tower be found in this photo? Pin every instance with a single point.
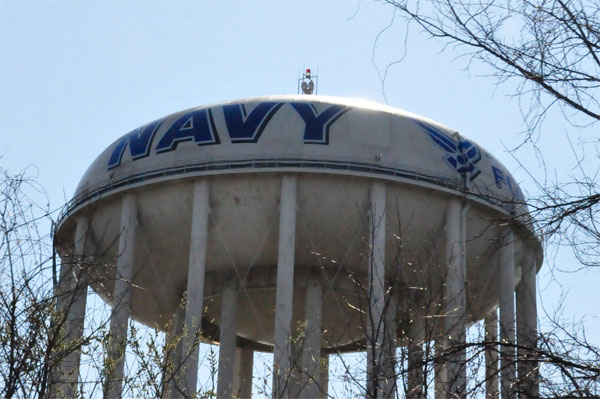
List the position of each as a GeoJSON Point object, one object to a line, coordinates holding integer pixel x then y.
{"type": "Point", "coordinates": [302, 226]}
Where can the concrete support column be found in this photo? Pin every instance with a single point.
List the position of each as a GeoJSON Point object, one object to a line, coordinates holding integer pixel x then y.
{"type": "Point", "coordinates": [72, 297]}
{"type": "Point", "coordinates": [173, 340]}
{"type": "Point", "coordinates": [441, 373]}
{"type": "Point", "coordinates": [455, 302]}
{"type": "Point", "coordinates": [388, 364]}
{"type": "Point", "coordinates": [376, 287]}
{"type": "Point", "coordinates": [311, 350]}
{"type": "Point", "coordinates": [491, 356]}
{"type": "Point", "coordinates": [227, 339]}
{"type": "Point", "coordinates": [506, 278]}
{"type": "Point", "coordinates": [295, 375]}
{"type": "Point", "coordinates": [121, 300]}
{"type": "Point", "coordinates": [416, 364]}
{"type": "Point", "coordinates": [282, 356]}
{"type": "Point", "coordinates": [527, 330]}
{"type": "Point", "coordinates": [244, 378]}
{"type": "Point", "coordinates": [324, 380]}
{"type": "Point", "coordinates": [236, 372]}
{"type": "Point", "coordinates": [195, 286]}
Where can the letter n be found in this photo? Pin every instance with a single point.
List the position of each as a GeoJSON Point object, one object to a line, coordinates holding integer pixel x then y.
{"type": "Point", "coordinates": [139, 140]}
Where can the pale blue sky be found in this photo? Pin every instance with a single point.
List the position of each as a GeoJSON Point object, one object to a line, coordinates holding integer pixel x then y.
{"type": "Point", "coordinates": [74, 76]}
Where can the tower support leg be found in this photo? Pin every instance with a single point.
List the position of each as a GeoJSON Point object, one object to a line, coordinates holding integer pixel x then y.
{"type": "Point", "coordinates": [174, 343]}
{"type": "Point", "coordinates": [282, 356]}
{"type": "Point", "coordinates": [296, 374]}
{"type": "Point", "coordinates": [195, 287]}
{"type": "Point", "coordinates": [311, 350]}
{"type": "Point", "coordinates": [72, 298]}
{"type": "Point", "coordinates": [389, 357]}
{"type": "Point", "coordinates": [491, 355]}
{"type": "Point", "coordinates": [506, 274]}
{"type": "Point", "coordinates": [121, 300]}
{"type": "Point", "coordinates": [246, 363]}
{"type": "Point", "coordinates": [324, 380]}
{"type": "Point", "coordinates": [376, 290]}
{"type": "Point", "coordinates": [441, 372]}
{"type": "Point", "coordinates": [227, 348]}
{"type": "Point", "coordinates": [455, 299]}
{"type": "Point", "coordinates": [527, 330]}
{"type": "Point", "coordinates": [416, 339]}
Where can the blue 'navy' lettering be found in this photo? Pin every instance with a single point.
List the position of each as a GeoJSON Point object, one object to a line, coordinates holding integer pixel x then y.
{"type": "Point", "coordinates": [243, 127]}
{"type": "Point", "coordinates": [317, 125]}
{"type": "Point", "coordinates": [248, 128]}
{"type": "Point", "coordinates": [139, 140]}
{"type": "Point", "coordinates": [198, 126]}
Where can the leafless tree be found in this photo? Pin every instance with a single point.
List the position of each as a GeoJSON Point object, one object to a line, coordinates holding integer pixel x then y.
{"type": "Point", "coordinates": [34, 311]}
{"type": "Point", "coordinates": [549, 52]}
{"type": "Point", "coordinates": [33, 341]}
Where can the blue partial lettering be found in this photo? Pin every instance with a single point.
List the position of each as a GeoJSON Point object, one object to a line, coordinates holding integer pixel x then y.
{"type": "Point", "coordinates": [139, 141]}
{"type": "Point", "coordinates": [196, 125]}
{"type": "Point", "coordinates": [498, 176]}
{"type": "Point", "coordinates": [317, 126]}
{"type": "Point", "coordinates": [515, 190]}
{"type": "Point", "coordinates": [248, 128]}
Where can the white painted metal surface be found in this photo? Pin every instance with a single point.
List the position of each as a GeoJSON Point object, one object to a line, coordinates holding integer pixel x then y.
{"type": "Point", "coordinates": [266, 190]}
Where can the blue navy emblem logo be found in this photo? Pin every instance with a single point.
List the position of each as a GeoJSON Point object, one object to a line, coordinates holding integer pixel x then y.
{"type": "Point", "coordinates": [462, 155]}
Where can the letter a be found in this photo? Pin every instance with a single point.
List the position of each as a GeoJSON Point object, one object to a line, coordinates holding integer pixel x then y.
{"type": "Point", "coordinates": [195, 125]}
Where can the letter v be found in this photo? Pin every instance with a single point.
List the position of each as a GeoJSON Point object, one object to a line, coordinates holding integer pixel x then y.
{"type": "Point", "coordinates": [248, 128]}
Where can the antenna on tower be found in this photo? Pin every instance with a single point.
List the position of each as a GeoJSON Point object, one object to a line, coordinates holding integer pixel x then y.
{"type": "Point", "coordinates": [308, 83]}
